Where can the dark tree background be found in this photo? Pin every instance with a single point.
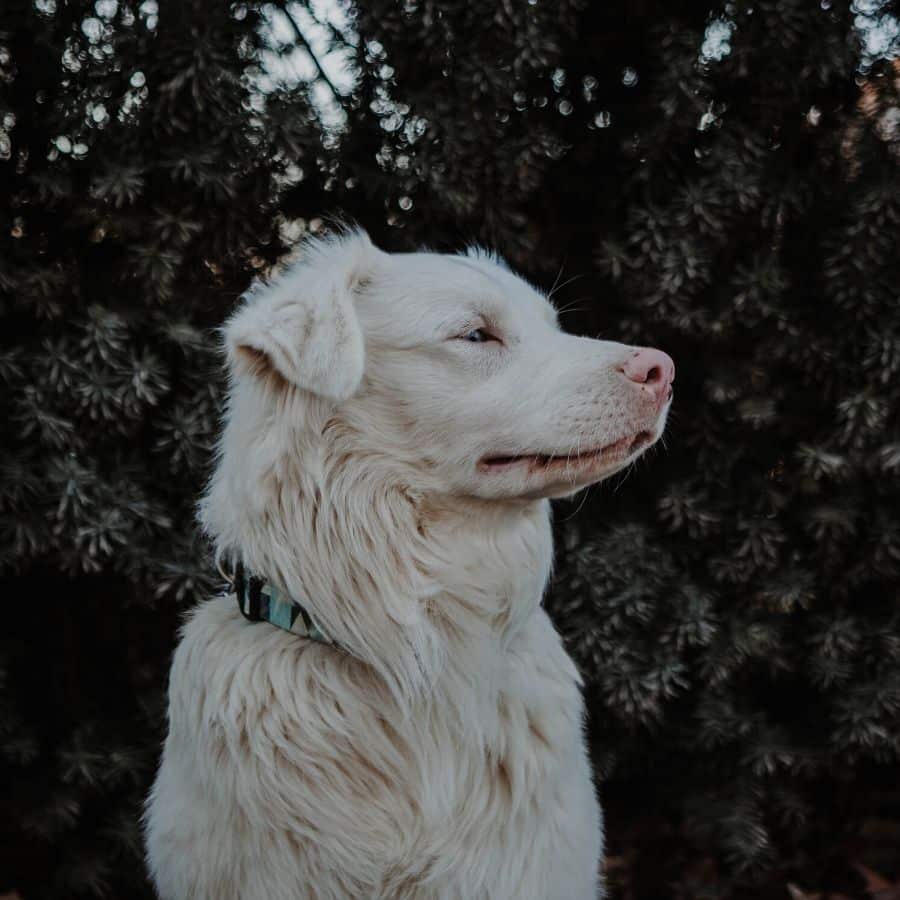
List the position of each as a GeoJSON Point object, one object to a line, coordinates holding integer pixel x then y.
{"type": "Point", "coordinates": [718, 179]}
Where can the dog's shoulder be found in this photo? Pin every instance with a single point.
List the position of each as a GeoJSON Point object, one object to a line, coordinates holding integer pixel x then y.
{"type": "Point", "coordinates": [211, 633]}
{"type": "Point", "coordinates": [225, 667]}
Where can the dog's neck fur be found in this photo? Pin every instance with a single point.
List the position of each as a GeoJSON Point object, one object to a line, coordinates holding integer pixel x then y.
{"type": "Point", "coordinates": [414, 584]}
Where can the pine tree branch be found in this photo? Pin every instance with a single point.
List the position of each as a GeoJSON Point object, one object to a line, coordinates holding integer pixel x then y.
{"type": "Point", "coordinates": [336, 35]}
{"type": "Point", "coordinates": [338, 96]}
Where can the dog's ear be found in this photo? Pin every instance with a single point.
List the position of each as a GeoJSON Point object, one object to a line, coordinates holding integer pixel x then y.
{"type": "Point", "coordinates": [301, 327]}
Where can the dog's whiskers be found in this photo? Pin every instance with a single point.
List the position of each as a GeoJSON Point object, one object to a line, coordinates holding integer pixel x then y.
{"type": "Point", "coordinates": [562, 265]}
{"type": "Point", "coordinates": [584, 497]}
{"type": "Point", "coordinates": [560, 287]}
{"type": "Point", "coordinates": [570, 306]}
{"type": "Point", "coordinates": [628, 470]}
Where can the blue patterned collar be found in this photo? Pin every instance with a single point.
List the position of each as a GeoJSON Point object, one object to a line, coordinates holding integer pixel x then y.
{"type": "Point", "coordinates": [260, 601]}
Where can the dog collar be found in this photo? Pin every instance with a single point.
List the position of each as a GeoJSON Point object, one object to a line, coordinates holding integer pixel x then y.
{"type": "Point", "coordinates": [260, 601]}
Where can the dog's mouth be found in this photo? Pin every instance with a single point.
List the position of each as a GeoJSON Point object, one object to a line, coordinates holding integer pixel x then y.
{"type": "Point", "coordinates": [609, 455]}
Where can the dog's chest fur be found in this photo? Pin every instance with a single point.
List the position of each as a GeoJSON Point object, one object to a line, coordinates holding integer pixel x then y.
{"type": "Point", "coordinates": [286, 775]}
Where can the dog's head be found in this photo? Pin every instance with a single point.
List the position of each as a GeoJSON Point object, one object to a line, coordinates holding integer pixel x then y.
{"type": "Point", "coordinates": [449, 370]}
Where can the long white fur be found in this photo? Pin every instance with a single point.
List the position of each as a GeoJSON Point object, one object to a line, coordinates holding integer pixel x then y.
{"type": "Point", "coordinates": [443, 755]}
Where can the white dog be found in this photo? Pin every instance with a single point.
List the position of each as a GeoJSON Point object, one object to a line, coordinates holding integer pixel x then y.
{"type": "Point", "coordinates": [396, 425]}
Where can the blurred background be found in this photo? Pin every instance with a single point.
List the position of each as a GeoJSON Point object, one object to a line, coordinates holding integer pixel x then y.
{"type": "Point", "coordinates": [718, 179]}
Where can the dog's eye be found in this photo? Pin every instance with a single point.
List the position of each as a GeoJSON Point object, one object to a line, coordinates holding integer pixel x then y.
{"type": "Point", "coordinates": [477, 336]}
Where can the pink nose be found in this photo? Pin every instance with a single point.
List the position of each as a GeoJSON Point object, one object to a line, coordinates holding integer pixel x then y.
{"type": "Point", "coordinates": [653, 369]}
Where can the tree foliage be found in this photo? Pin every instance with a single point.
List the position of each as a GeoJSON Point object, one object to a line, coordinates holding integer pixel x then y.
{"type": "Point", "coordinates": [720, 180]}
